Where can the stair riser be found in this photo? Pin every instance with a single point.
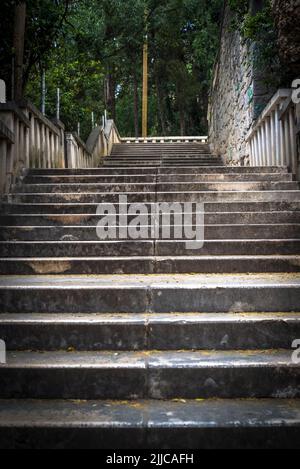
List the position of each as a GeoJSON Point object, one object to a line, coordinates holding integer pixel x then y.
{"type": "Point", "coordinates": [147, 248]}
{"type": "Point", "coordinates": [168, 437]}
{"type": "Point", "coordinates": [140, 383]}
{"type": "Point", "coordinates": [89, 233]}
{"type": "Point", "coordinates": [221, 207]}
{"type": "Point", "coordinates": [152, 156]}
{"type": "Point", "coordinates": [194, 160]}
{"type": "Point", "coordinates": [76, 437]}
{"type": "Point", "coordinates": [201, 197]}
{"type": "Point", "coordinates": [149, 266]}
{"type": "Point", "coordinates": [207, 170]}
{"type": "Point", "coordinates": [165, 163]}
{"type": "Point", "coordinates": [137, 335]}
{"type": "Point", "coordinates": [152, 178]}
{"type": "Point", "coordinates": [175, 187]}
{"type": "Point", "coordinates": [210, 219]}
{"type": "Point", "coordinates": [146, 300]}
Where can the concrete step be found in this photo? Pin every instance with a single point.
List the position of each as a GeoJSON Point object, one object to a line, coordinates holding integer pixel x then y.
{"type": "Point", "coordinates": [131, 170]}
{"type": "Point", "coordinates": [91, 208]}
{"type": "Point", "coordinates": [164, 150]}
{"type": "Point", "coordinates": [182, 164]}
{"type": "Point", "coordinates": [160, 187]}
{"type": "Point", "coordinates": [150, 375]}
{"type": "Point", "coordinates": [190, 424]}
{"type": "Point", "coordinates": [150, 265]}
{"type": "Point", "coordinates": [148, 158]}
{"type": "Point", "coordinates": [148, 178]}
{"type": "Point", "coordinates": [149, 155]}
{"type": "Point", "coordinates": [150, 293]}
{"type": "Point", "coordinates": [141, 248]}
{"type": "Point", "coordinates": [124, 332]}
{"type": "Point", "coordinates": [88, 219]}
{"type": "Point", "coordinates": [170, 163]}
{"type": "Point", "coordinates": [166, 232]}
{"type": "Point", "coordinates": [146, 197]}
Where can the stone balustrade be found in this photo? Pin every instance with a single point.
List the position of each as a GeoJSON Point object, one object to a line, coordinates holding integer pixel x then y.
{"type": "Point", "coordinates": [14, 144]}
{"type": "Point", "coordinates": [30, 140]}
{"type": "Point", "coordinates": [46, 144]}
{"type": "Point", "coordinates": [272, 139]}
{"type": "Point", "coordinates": [166, 140]}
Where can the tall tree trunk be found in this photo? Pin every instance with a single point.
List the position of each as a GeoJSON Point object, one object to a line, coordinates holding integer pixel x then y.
{"type": "Point", "coordinates": [136, 105]}
{"type": "Point", "coordinates": [18, 44]}
{"type": "Point", "coordinates": [182, 122]}
{"type": "Point", "coordinates": [110, 95]}
{"type": "Point", "coordinates": [182, 117]}
{"type": "Point", "coordinates": [160, 107]}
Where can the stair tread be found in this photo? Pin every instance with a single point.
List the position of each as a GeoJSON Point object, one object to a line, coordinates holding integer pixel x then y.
{"type": "Point", "coordinates": [159, 258]}
{"type": "Point", "coordinates": [150, 359]}
{"type": "Point", "coordinates": [147, 318]}
{"type": "Point", "coordinates": [214, 413]}
{"type": "Point", "coordinates": [154, 281]}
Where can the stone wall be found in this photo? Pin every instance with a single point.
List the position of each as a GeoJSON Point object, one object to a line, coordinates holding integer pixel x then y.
{"type": "Point", "coordinates": [238, 95]}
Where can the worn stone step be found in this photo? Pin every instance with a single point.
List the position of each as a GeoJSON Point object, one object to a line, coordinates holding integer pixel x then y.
{"type": "Point", "coordinates": [171, 163]}
{"type": "Point", "coordinates": [160, 187]}
{"type": "Point", "coordinates": [124, 332]}
{"type": "Point", "coordinates": [150, 375]}
{"type": "Point", "coordinates": [91, 208]}
{"type": "Point", "coordinates": [149, 264]}
{"type": "Point", "coordinates": [141, 248]}
{"type": "Point", "coordinates": [162, 158]}
{"type": "Point", "coordinates": [230, 218]}
{"type": "Point", "coordinates": [150, 293]}
{"type": "Point", "coordinates": [190, 424]}
{"type": "Point", "coordinates": [148, 178]}
{"type": "Point", "coordinates": [110, 178]}
{"type": "Point", "coordinates": [185, 196]}
{"type": "Point", "coordinates": [79, 248]}
{"type": "Point", "coordinates": [165, 232]}
{"type": "Point", "coordinates": [149, 154]}
{"type": "Point", "coordinates": [160, 149]}
{"type": "Point", "coordinates": [206, 170]}
{"type": "Point", "coordinates": [118, 148]}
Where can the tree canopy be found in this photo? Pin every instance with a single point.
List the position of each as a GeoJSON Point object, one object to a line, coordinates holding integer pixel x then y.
{"type": "Point", "coordinates": [92, 51]}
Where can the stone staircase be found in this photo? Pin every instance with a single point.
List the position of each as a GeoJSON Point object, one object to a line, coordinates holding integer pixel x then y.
{"type": "Point", "coordinates": [146, 343]}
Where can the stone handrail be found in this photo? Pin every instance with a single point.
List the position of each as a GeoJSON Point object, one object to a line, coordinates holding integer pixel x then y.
{"type": "Point", "coordinates": [14, 144]}
{"type": "Point", "coordinates": [28, 140]}
{"type": "Point", "coordinates": [101, 141]}
{"type": "Point", "coordinates": [272, 139]}
{"type": "Point", "coordinates": [166, 140]}
{"type": "Point", "coordinates": [46, 148]}
{"type": "Point", "coordinates": [78, 155]}
{"type": "Point", "coordinates": [98, 146]}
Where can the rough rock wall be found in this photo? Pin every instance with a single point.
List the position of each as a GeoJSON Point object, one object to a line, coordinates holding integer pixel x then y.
{"type": "Point", "coordinates": [238, 95]}
{"type": "Point", "coordinates": [287, 19]}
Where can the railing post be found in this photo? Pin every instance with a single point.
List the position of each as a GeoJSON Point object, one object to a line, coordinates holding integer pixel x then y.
{"type": "Point", "coordinates": [294, 159]}
{"type": "Point", "coordinates": [2, 92]}
{"type": "Point", "coordinates": [3, 163]}
{"type": "Point", "coordinates": [273, 143]}
{"type": "Point", "coordinates": [71, 156]}
{"type": "Point", "coordinates": [278, 132]}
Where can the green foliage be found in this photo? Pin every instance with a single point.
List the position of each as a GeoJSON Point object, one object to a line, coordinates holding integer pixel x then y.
{"type": "Point", "coordinates": [92, 51]}
{"type": "Point", "coordinates": [45, 23]}
{"type": "Point", "coordinates": [259, 28]}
